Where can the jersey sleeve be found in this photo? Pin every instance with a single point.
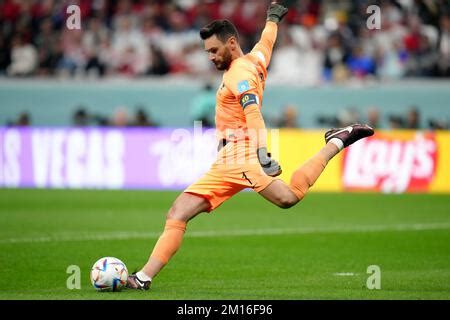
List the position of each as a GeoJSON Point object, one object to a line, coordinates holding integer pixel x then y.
{"type": "Point", "coordinates": [240, 80]}
{"type": "Point", "coordinates": [256, 126]}
{"type": "Point", "coordinates": [263, 49]}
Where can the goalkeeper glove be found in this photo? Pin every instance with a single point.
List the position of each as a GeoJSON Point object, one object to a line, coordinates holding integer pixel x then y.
{"type": "Point", "coordinates": [271, 167]}
{"type": "Point", "coordinates": [276, 12]}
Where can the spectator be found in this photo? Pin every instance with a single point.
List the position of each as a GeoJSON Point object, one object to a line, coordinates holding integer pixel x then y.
{"type": "Point", "coordinates": [444, 47]}
{"type": "Point", "coordinates": [158, 64]}
{"type": "Point", "coordinates": [196, 60]}
{"type": "Point", "coordinates": [348, 116]}
{"type": "Point", "coordinates": [100, 120]}
{"type": "Point", "coordinates": [424, 61]}
{"type": "Point", "coordinates": [396, 122]}
{"type": "Point", "coordinates": [24, 119]}
{"type": "Point", "coordinates": [360, 64]}
{"type": "Point", "coordinates": [24, 58]}
{"type": "Point", "coordinates": [373, 117]}
{"type": "Point", "coordinates": [130, 48]}
{"type": "Point", "coordinates": [93, 38]}
{"type": "Point", "coordinates": [5, 58]}
{"type": "Point", "coordinates": [80, 117]}
{"type": "Point", "coordinates": [120, 118]}
{"type": "Point", "coordinates": [391, 61]}
{"type": "Point", "coordinates": [289, 117]}
{"type": "Point", "coordinates": [151, 31]}
{"type": "Point", "coordinates": [47, 46]}
{"type": "Point", "coordinates": [140, 37]}
{"type": "Point", "coordinates": [297, 59]}
{"type": "Point", "coordinates": [327, 121]}
{"type": "Point", "coordinates": [439, 124]}
{"type": "Point", "coordinates": [107, 57]}
{"type": "Point", "coordinates": [286, 64]}
{"type": "Point", "coordinates": [413, 119]}
{"type": "Point", "coordinates": [142, 119]}
{"type": "Point", "coordinates": [74, 57]}
{"type": "Point", "coordinates": [335, 57]}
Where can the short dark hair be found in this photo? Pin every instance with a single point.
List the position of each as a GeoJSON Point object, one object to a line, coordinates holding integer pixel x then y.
{"type": "Point", "coordinates": [223, 29]}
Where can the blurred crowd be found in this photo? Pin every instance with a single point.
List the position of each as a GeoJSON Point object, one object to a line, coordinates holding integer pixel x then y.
{"type": "Point", "coordinates": [319, 40]}
{"type": "Point", "coordinates": [121, 117]}
{"type": "Point", "coordinates": [202, 109]}
{"type": "Point", "coordinates": [83, 117]}
{"type": "Point", "coordinates": [411, 119]}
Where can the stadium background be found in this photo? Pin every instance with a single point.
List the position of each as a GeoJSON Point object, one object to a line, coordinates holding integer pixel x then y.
{"type": "Point", "coordinates": [113, 105]}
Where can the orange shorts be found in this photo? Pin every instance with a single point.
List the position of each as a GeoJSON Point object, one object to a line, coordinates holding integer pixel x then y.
{"type": "Point", "coordinates": [235, 169]}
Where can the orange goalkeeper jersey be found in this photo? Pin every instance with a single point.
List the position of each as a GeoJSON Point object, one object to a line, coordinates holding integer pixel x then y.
{"type": "Point", "coordinates": [246, 74]}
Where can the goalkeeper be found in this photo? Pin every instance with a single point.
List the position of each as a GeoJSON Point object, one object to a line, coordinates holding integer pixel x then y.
{"type": "Point", "coordinates": [243, 160]}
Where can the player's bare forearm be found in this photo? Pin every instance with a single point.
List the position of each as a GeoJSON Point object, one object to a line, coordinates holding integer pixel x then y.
{"type": "Point", "coordinates": [267, 41]}
{"type": "Point", "coordinates": [275, 14]}
{"type": "Point", "coordinates": [269, 35]}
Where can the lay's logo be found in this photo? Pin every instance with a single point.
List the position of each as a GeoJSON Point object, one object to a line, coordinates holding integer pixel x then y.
{"type": "Point", "coordinates": [386, 164]}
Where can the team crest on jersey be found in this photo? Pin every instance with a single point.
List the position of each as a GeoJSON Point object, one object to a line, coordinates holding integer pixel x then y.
{"type": "Point", "coordinates": [243, 86]}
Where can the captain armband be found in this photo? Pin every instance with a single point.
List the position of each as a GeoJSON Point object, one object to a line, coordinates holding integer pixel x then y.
{"type": "Point", "coordinates": [249, 99]}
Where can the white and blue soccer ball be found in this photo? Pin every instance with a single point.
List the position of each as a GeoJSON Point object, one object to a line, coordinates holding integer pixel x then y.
{"type": "Point", "coordinates": [109, 274]}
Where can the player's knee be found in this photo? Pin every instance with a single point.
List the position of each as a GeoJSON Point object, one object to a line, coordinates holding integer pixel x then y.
{"type": "Point", "coordinates": [176, 213]}
{"type": "Point", "coordinates": [286, 204]}
{"type": "Point", "coordinates": [287, 201]}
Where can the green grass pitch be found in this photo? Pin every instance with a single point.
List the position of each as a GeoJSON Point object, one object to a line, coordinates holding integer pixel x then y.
{"type": "Point", "coordinates": [246, 249]}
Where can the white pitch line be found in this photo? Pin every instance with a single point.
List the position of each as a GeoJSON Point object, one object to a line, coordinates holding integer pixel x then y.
{"type": "Point", "coordinates": [126, 235]}
{"type": "Point", "coordinates": [344, 274]}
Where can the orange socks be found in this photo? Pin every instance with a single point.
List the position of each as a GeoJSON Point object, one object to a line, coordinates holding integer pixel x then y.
{"type": "Point", "coordinates": [307, 174]}
{"type": "Point", "coordinates": [170, 240]}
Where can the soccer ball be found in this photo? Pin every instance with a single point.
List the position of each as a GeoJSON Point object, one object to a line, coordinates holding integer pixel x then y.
{"type": "Point", "coordinates": [109, 274]}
